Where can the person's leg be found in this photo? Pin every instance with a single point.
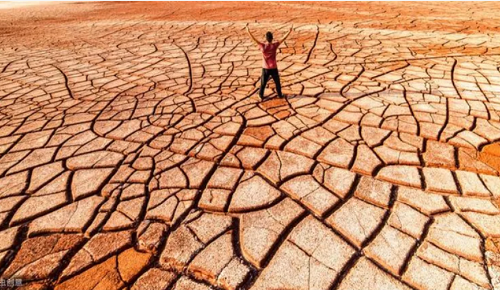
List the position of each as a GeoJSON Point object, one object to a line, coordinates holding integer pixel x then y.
{"type": "Point", "coordinates": [276, 77]}
{"type": "Point", "coordinates": [263, 82]}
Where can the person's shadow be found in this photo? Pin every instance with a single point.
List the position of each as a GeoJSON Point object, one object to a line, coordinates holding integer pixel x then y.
{"type": "Point", "coordinates": [281, 108]}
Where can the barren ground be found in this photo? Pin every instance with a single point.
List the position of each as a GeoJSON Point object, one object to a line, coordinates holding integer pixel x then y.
{"type": "Point", "coordinates": [135, 154]}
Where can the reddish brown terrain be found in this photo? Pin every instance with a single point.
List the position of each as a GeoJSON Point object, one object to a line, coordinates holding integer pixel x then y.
{"type": "Point", "coordinates": [136, 154]}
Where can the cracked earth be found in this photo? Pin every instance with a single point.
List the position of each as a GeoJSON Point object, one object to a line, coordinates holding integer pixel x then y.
{"type": "Point", "coordinates": [135, 154]}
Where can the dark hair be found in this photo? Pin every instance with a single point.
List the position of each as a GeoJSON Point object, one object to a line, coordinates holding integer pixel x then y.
{"type": "Point", "coordinates": [269, 36]}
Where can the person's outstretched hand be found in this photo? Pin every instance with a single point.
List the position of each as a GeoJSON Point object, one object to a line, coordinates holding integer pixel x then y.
{"type": "Point", "coordinates": [286, 35]}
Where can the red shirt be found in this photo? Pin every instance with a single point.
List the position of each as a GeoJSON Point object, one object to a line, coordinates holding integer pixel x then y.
{"type": "Point", "coordinates": [269, 54]}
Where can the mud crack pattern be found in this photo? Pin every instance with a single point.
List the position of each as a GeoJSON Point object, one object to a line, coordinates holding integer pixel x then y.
{"type": "Point", "coordinates": [135, 154]}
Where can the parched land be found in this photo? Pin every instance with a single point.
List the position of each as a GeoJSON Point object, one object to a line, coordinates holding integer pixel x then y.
{"type": "Point", "coordinates": [135, 152]}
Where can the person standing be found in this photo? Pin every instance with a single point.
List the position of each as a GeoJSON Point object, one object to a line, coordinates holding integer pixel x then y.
{"type": "Point", "coordinates": [269, 65]}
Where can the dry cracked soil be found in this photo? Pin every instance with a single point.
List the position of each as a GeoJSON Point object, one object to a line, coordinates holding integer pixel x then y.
{"type": "Point", "coordinates": [135, 153]}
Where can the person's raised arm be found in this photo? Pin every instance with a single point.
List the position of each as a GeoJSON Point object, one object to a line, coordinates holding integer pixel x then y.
{"type": "Point", "coordinates": [252, 37]}
{"type": "Point", "coordinates": [286, 35]}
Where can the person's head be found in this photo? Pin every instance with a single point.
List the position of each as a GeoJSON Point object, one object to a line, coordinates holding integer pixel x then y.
{"type": "Point", "coordinates": [269, 36]}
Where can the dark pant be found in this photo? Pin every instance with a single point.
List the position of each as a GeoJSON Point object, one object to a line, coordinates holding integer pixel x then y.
{"type": "Point", "coordinates": [265, 77]}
